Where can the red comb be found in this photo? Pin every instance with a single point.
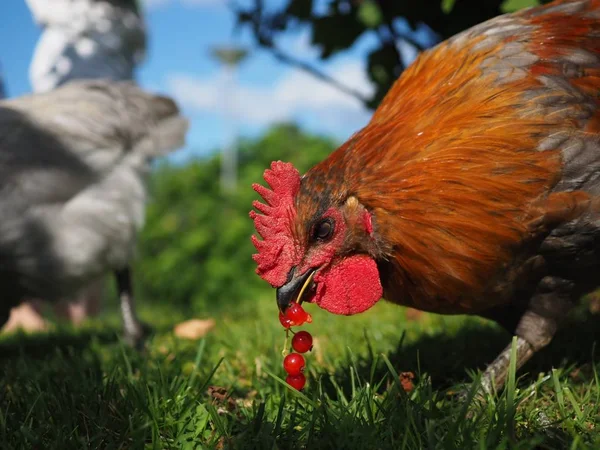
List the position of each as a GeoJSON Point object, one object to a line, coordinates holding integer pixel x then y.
{"type": "Point", "coordinates": [277, 250]}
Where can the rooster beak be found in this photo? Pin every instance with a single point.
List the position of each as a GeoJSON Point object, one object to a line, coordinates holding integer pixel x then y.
{"type": "Point", "coordinates": [295, 285]}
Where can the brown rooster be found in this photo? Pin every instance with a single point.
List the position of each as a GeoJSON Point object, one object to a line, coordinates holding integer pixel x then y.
{"type": "Point", "coordinates": [474, 189]}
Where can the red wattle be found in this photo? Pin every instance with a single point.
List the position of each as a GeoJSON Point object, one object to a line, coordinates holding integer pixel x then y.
{"type": "Point", "coordinates": [349, 287]}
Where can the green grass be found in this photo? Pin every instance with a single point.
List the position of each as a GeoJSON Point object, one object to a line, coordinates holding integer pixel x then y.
{"type": "Point", "coordinates": [84, 389]}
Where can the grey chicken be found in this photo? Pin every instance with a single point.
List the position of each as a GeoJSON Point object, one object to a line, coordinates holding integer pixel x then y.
{"type": "Point", "coordinates": [72, 168]}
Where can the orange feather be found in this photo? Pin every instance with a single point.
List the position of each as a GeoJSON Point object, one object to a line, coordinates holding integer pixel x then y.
{"type": "Point", "coordinates": [463, 155]}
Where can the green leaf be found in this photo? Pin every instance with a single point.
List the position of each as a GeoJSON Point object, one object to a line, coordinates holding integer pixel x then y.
{"type": "Point", "coordinates": [514, 5]}
{"type": "Point", "coordinates": [336, 33]}
{"type": "Point", "coordinates": [370, 14]}
{"type": "Point", "coordinates": [381, 63]}
{"type": "Point", "coordinates": [447, 6]}
{"type": "Point", "coordinates": [195, 249]}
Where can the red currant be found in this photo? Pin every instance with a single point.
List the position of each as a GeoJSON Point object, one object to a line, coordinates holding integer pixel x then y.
{"type": "Point", "coordinates": [302, 341]}
{"type": "Point", "coordinates": [287, 323]}
{"type": "Point", "coordinates": [294, 364]}
{"type": "Point", "coordinates": [296, 381]}
{"type": "Point", "coordinates": [296, 314]}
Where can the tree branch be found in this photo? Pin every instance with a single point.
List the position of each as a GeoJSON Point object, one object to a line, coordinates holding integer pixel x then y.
{"type": "Point", "coordinates": [306, 67]}
{"type": "Point", "coordinates": [266, 41]}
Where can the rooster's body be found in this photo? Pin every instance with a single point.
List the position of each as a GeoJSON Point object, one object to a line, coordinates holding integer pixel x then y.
{"type": "Point", "coordinates": [474, 189]}
{"type": "Point", "coordinates": [72, 167]}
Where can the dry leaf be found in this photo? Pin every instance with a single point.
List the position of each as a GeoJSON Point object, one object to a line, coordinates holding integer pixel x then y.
{"type": "Point", "coordinates": [194, 328]}
{"type": "Point", "coordinates": [25, 317]}
{"type": "Point", "coordinates": [406, 380]}
{"type": "Point", "coordinates": [223, 402]}
{"type": "Point", "coordinates": [218, 392]}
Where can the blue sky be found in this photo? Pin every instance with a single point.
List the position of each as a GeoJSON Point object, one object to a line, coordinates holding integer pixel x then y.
{"type": "Point", "coordinates": [181, 33]}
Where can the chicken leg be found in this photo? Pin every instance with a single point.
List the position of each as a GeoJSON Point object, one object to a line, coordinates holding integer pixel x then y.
{"type": "Point", "coordinates": [134, 330]}
{"type": "Point", "coordinates": [534, 329]}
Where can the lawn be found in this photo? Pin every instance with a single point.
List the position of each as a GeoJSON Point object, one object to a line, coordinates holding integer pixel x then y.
{"type": "Point", "coordinates": [85, 389]}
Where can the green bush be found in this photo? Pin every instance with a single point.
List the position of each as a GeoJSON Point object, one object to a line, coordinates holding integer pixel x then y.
{"type": "Point", "coordinates": [195, 249]}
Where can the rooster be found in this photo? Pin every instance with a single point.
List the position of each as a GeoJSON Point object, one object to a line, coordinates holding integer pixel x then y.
{"type": "Point", "coordinates": [72, 164]}
{"type": "Point", "coordinates": [474, 189]}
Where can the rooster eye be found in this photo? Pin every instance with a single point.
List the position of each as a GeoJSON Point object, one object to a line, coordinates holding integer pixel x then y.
{"type": "Point", "coordinates": [324, 229]}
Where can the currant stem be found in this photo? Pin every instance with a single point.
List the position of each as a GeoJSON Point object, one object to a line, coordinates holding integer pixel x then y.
{"type": "Point", "coordinates": [284, 352]}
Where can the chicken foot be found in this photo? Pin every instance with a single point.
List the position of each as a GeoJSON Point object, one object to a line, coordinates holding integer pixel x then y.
{"type": "Point", "coordinates": [134, 330]}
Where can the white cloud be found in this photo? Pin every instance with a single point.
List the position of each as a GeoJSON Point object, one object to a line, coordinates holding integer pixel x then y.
{"type": "Point", "coordinates": [295, 95]}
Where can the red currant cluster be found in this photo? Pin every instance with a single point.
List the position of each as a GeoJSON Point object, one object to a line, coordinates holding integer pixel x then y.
{"type": "Point", "coordinates": [294, 363]}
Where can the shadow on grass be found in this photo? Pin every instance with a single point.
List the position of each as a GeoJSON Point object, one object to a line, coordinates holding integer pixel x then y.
{"type": "Point", "coordinates": [84, 389]}
{"type": "Point", "coordinates": [57, 390]}
{"type": "Point", "coordinates": [41, 345]}
{"type": "Point", "coordinates": [448, 360]}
